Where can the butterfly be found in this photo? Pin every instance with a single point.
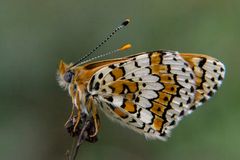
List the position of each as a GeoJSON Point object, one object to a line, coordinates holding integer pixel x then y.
{"type": "Point", "coordinates": [149, 92]}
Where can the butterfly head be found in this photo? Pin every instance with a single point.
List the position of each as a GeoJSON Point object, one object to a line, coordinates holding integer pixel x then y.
{"type": "Point", "coordinates": [65, 75]}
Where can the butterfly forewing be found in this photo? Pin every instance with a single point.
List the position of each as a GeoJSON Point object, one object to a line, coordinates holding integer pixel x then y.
{"type": "Point", "coordinates": [149, 92]}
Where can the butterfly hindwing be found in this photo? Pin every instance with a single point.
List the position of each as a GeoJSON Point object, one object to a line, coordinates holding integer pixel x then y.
{"type": "Point", "coordinates": [209, 74]}
{"type": "Point", "coordinates": [153, 89]}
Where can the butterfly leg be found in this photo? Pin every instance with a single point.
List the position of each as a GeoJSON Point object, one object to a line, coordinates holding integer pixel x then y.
{"type": "Point", "coordinates": [96, 121]}
{"type": "Point", "coordinates": [91, 107]}
{"type": "Point", "coordinates": [78, 108]}
{"type": "Point", "coordinates": [72, 124]}
{"type": "Point", "coordinates": [70, 117]}
{"type": "Point", "coordinates": [77, 120]}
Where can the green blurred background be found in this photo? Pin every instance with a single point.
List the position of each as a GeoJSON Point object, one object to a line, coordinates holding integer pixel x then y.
{"type": "Point", "coordinates": [36, 34]}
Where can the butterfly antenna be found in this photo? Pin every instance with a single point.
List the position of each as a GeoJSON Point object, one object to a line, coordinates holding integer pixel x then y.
{"type": "Point", "coordinates": [124, 23]}
{"type": "Point", "coordinates": [123, 48]}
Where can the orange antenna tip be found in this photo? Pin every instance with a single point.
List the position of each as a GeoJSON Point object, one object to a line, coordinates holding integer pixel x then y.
{"type": "Point", "coordinates": [125, 47]}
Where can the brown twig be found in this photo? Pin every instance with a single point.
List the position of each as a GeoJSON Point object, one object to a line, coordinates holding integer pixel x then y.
{"type": "Point", "coordinates": [81, 138]}
{"type": "Point", "coordinates": [84, 130]}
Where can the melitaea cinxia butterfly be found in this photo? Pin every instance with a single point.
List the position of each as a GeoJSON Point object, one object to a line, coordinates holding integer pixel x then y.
{"type": "Point", "coordinates": [149, 92]}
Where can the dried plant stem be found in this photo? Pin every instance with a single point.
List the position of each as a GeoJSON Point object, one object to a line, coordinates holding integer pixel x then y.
{"type": "Point", "coordinates": [80, 139]}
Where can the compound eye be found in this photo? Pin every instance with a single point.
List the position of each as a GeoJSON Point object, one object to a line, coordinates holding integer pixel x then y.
{"type": "Point", "coordinates": [68, 76]}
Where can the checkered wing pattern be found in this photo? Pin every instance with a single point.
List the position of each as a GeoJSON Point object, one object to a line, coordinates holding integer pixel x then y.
{"type": "Point", "coordinates": [149, 92]}
{"type": "Point", "coordinates": [209, 74]}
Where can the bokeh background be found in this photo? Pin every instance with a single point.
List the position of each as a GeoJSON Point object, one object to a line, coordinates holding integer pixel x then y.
{"type": "Point", "coordinates": [36, 34]}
